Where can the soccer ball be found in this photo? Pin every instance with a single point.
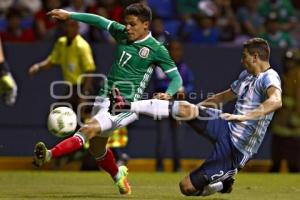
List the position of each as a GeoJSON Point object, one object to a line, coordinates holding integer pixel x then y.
{"type": "Point", "coordinates": [62, 121]}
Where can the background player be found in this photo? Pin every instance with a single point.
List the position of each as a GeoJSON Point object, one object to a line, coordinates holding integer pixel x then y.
{"type": "Point", "coordinates": [136, 54]}
{"type": "Point", "coordinates": [236, 136]}
{"type": "Point", "coordinates": [8, 86]}
{"type": "Point", "coordinates": [285, 127]}
{"type": "Point", "coordinates": [74, 55]}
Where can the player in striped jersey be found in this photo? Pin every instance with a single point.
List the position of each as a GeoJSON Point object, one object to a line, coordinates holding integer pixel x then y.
{"type": "Point", "coordinates": [236, 136]}
{"type": "Point", "coordinates": [136, 54]}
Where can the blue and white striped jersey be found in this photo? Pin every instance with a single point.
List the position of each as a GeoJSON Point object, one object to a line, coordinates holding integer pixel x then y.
{"type": "Point", "coordinates": [251, 91]}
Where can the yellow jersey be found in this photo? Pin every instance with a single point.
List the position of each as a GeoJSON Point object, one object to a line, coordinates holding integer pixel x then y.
{"type": "Point", "coordinates": [75, 59]}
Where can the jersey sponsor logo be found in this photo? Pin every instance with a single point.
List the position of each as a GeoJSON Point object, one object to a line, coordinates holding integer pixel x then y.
{"type": "Point", "coordinates": [144, 52]}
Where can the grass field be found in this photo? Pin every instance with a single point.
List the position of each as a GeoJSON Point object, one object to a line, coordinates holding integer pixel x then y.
{"type": "Point", "coordinates": [148, 186]}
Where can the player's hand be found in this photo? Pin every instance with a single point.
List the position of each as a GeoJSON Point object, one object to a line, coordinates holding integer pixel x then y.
{"type": "Point", "coordinates": [232, 117]}
{"type": "Point", "coordinates": [162, 96]}
{"type": "Point", "coordinates": [33, 69]}
{"type": "Point", "coordinates": [59, 14]}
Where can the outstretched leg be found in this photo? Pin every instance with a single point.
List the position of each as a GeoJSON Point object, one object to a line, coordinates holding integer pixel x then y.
{"type": "Point", "coordinates": [69, 145]}
{"type": "Point", "coordinates": [180, 110]}
{"type": "Point", "coordinates": [104, 158]}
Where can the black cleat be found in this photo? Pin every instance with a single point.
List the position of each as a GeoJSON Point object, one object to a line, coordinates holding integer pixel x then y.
{"type": "Point", "coordinates": [227, 185]}
{"type": "Point", "coordinates": [117, 102]}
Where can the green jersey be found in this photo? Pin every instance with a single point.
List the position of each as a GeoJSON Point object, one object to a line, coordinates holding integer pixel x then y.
{"type": "Point", "coordinates": [134, 61]}
{"type": "Point", "coordinates": [284, 10]}
{"type": "Point", "coordinates": [280, 39]}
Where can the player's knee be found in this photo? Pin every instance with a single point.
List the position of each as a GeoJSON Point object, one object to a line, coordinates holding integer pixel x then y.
{"type": "Point", "coordinates": [87, 131]}
{"type": "Point", "coordinates": [90, 130]}
{"type": "Point", "coordinates": [186, 111]}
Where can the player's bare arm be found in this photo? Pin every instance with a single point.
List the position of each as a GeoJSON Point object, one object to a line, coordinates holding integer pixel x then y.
{"type": "Point", "coordinates": [216, 100]}
{"type": "Point", "coordinates": [35, 68]}
{"type": "Point", "coordinates": [270, 105]}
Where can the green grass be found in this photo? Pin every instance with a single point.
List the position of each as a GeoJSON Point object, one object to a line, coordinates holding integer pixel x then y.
{"type": "Point", "coordinates": [149, 186]}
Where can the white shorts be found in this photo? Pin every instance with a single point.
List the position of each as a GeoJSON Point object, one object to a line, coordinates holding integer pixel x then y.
{"type": "Point", "coordinates": [108, 122]}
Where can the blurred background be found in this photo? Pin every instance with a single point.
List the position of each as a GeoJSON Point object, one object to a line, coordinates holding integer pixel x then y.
{"type": "Point", "coordinates": [204, 37]}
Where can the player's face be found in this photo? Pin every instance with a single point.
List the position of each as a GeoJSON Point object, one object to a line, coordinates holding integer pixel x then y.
{"type": "Point", "coordinates": [71, 29]}
{"type": "Point", "coordinates": [248, 61]}
{"type": "Point", "coordinates": [136, 29]}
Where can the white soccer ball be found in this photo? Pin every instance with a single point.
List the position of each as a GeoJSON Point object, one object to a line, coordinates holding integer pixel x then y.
{"type": "Point", "coordinates": [62, 121]}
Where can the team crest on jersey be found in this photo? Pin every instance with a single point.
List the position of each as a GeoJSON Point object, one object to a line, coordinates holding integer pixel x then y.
{"type": "Point", "coordinates": [144, 52]}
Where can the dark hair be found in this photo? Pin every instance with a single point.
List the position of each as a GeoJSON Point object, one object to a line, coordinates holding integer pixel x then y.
{"type": "Point", "coordinates": [140, 10]}
{"type": "Point", "coordinates": [259, 46]}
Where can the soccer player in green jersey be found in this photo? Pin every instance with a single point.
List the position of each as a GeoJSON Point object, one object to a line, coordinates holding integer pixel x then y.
{"type": "Point", "coordinates": [136, 55]}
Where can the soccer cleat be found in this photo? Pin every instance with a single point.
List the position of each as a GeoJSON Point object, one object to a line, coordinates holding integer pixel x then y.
{"type": "Point", "coordinates": [117, 102]}
{"type": "Point", "coordinates": [227, 185]}
{"type": "Point", "coordinates": [41, 154]}
{"type": "Point", "coordinates": [122, 182]}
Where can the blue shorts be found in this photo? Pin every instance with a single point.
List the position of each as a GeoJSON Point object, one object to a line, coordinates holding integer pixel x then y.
{"type": "Point", "coordinates": [225, 160]}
